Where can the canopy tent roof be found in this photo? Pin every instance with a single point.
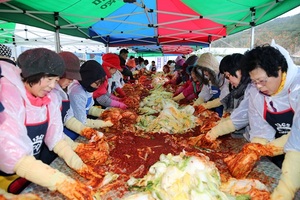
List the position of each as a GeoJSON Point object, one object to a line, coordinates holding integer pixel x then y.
{"type": "Point", "coordinates": [239, 15]}
{"type": "Point", "coordinates": [28, 36]}
{"type": "Point", "coordinates": [149, 22]}
{"type": "Point", "coordinates": [6, 36]}
{"type": "Point", "coordinates": [146, 22]}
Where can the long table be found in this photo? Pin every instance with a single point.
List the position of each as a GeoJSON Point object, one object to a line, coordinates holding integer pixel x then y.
{"type": "Point", "coordinates": [264, 167]}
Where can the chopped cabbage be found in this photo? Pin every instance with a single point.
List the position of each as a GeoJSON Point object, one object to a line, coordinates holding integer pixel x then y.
{"type": "Point", "coordinates": [180, 177]}
{"type": "Point", "coordinates": [171, 120]}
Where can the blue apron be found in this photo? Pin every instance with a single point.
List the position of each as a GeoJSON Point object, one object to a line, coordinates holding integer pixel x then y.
{"type": "Point", "coordinates": [36, 132]}
{"type": "Point", "coordinates": [282, 123]}
{"type": "Point", "coordinates": [88, 102]}
{"type": "Point", "coordinates": [216, 94]}
{"type": "Point", "coordinates": [113, 86]}
{"type": "Point", "coordinates": [65, 108]}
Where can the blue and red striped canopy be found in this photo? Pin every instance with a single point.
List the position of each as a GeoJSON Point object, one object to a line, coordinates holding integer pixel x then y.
{"type": "Point", "coordinates": [167, 22]}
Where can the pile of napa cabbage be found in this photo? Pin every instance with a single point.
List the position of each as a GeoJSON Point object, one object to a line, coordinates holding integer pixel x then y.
{"type": "Point", "coordinates": [180, 177]}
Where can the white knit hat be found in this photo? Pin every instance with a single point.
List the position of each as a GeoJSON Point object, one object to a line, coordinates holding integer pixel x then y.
{"type": "Point", "coordinates": [209, 61]}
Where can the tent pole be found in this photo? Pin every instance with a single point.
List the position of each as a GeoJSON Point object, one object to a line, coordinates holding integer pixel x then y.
{"type": "Point", "coordinates": [107, 44]}
{"type": "Point", "coordinates": [15, 53]}
{"type": "Point", "coordinates": [252, 23]}
{"type": "Point", "coordinates": [15, 49]}
{"type": "Point", "coordinates": [57, 39]}
{"type": "Point", "coordinates": [252, 37]}
{"type": "Point", "coordinates": [209, 42]}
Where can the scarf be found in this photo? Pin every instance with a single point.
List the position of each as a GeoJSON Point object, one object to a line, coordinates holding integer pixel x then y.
{"type": "Point", "coordinates": [197, 87]}
{"type": "Point", "coordinates": [283, 79]}
{"type": "Point", "coordinates": [37, 101]}
{"type": "Point", "coordinates": [235, 94]}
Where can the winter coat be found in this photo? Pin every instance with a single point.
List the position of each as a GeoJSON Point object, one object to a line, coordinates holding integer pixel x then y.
{"type": "Point", "coordinates": [192, 90]}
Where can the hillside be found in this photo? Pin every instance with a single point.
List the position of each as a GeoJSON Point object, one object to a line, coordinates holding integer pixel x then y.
{"type": "Point", "coordinates": [285, 31]}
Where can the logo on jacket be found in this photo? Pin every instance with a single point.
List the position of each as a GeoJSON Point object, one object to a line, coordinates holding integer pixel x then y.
{"type": "Point", "coordinates": [37, 143]}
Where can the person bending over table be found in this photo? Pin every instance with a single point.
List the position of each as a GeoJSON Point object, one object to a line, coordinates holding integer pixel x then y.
{"type": "Point", "coordinates": [82, 102]}
{"type": "Point", "coordinates": [111, 64]}
{"type": "Point", "coordinates": [32, 119]}
{"type": "Point", "coordinates": [236, 102]}
{"type": "Point", "coordinates": [272, 110]}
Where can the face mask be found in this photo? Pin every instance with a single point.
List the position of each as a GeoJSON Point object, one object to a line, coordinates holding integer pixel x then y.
{"type": "Point", "coordinates": [90, 89]}
{"type": "Point", "coordinates": [87, 86]}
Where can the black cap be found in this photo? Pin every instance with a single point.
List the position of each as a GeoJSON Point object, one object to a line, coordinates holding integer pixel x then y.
{"type": "Point", "coordinates": [40, 60]}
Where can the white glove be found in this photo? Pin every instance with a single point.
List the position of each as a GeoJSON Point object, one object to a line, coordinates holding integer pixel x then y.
{"type": "Point", "coordinates": [96, 111]}
{"type": "Point", "coordinates": [38, 172]}
{"type": "Point", "coordinates": [262, 141]}
{"type": "Point", "coordinates": [71, 143]}
{"type": "Point", "coordinates": [212, 104]}
{"type": "Point", "coordinates": [65, 151]}
{"type": "Point", "coordinates": [76, 126]}
{"type": "Point", "coordinates": [277, 145]}
{"type": "Point", "coordinates": [97, 123]}
{"type": "Point", "coordinates": [198, 101]}
{"type": "Point", "coordinates": [289, 182]}
{"type": "Point", "coordinates": [179, 97]}
{"type": "Point", "coordinates": [224, 127]}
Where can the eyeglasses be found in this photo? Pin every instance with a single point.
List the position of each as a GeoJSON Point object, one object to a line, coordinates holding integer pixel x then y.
{"type": "Point", "coordinates": [261, 82]}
